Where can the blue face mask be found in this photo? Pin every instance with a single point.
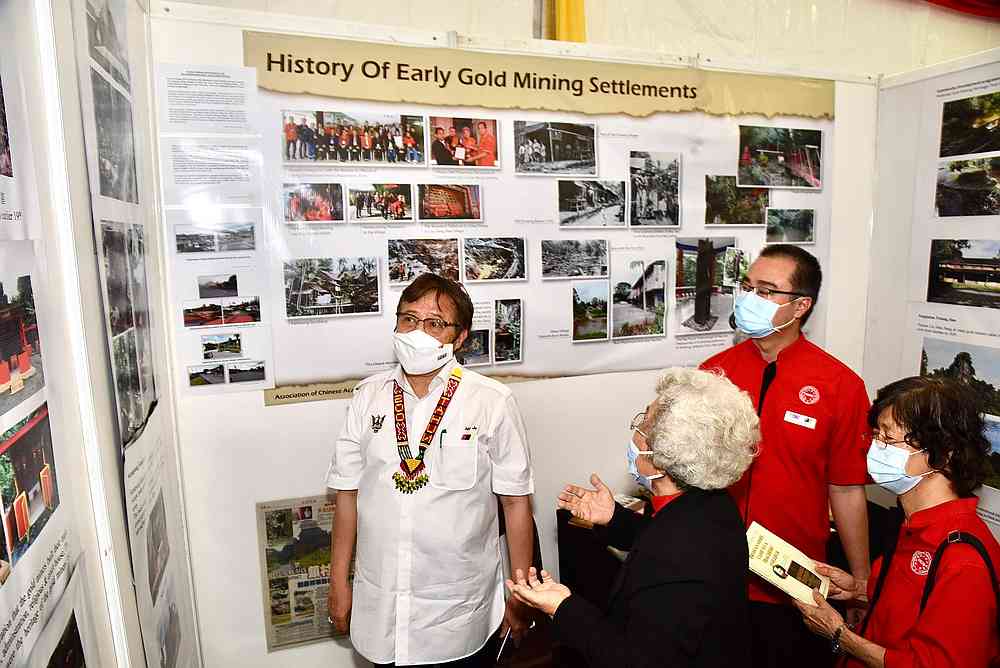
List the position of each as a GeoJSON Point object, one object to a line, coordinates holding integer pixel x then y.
{"type": "Point", "coordinates": [887, 467]}
{"type": "Point", "coordinates": [754, 315]}
{"type": "Point", "coordinates": [632, 454]}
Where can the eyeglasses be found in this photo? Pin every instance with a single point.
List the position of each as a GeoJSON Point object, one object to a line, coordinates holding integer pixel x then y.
{"type": "Point", "coordinates": [407, 322]}
{"type": "Point", "coordinates": [765, 293]}
{"type": "Point", "coordinates": [882, 440]}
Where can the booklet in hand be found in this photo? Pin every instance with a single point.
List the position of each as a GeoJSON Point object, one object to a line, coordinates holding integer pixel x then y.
{"type": "Point", "coordinates": [785, 567]}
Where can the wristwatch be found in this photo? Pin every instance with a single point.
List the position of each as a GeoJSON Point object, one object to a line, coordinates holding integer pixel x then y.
{"type": "Point", "coordinates": [835, 640]}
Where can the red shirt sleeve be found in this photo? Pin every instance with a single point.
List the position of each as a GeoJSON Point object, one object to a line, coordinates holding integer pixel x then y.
{"type": "Point", "coordinates": [848, 464]}
{"type": "Point", "coordinates": [959, 625]}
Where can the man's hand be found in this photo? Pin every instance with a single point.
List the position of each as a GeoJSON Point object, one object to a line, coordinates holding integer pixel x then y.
{"type": "Point", "coordinates": [843, 585]}
{"type": "Point", "coordinates": [821, 618]}
{"type": "Point", "coordinates": [517, 618]}
{"type": "Point", "coordinates": [339, 602]}
{"type": "Point", "coordinates": [593, 505]}
{"type": "Point", "coordinates": [545, 594]}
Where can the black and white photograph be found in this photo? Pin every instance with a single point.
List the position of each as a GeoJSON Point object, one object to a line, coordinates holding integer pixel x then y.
{"type": "Point", "coordinates": [563, 149]}
{"type": "Point", "coordinates": [169, 631]}
{"type": "Point", "coordinates": [791, 226]}
{"type": "Point", "coordinates": [735, 265]}
{"type": "Point", "coordinates": [107, 39]}
{"type": "Point", "coordinates": [135, 243]}
{"type": "Point", "coordinates": [128, 387]}
{"type": "Point", "coordinates": [157, 546]}
{"type": "Point", "coordinates": [219, 238]}
{"type": "Point", "coordinates": [508, 325]}
{"type": "Point", "coordinates": [592, 204]}
{"type": "Point", "coordinates": [408, 258]}
{"type": "Point", "coordinates": [115, 142]}
{"type": "Point", "coordinates": [970, 125]}
{"type": "Point", "coordinates": [232, 237]}
{"type": "Point", "coordinates": [206, 374]}
{"type": "Point", "coordinates": [728, 204]}
{"type": "Point", "coordinates": [221, 346]}
{"type": "Point", "coordinates": [780, 158]}
{"type": "Point", "coordinates": [21, 370]}
{"type": "Point", "coordinates": [968, 188]}
{"type": "Point", "coordinates": [116, 277]}
{"type": "Point", "coordinates": [464, 142]}
{"type": "Point", "coordinates": [476, 349]}
{"type": "Point", "coordinates": [655, 186]}
{"type": "Point", "coordinates": [590, 310]}
{"type": "Point", "coordinates": [964, 272]}
{"type": "Point", "coordinates": [450, 202]}
{"type": "Point", "coordinates": [495, 259]}
{"type": "Point", "coordinates": [574, 258]}
{"type": "Point", "coordinates": [240, 310]}
{"type": "Point", "coordinates": [203, 313]}
{"type": "Point", "coordinates": [638, 295]}
{"type": "Point", "coordinates": [331, 286]}
{"type": "Point", "coordinates": [380, 203]}
{"type": "Point", "coordinates": [246, 372]}
{"type": "Point", "coordinates": [313, 202]}
{"type": "Point", "coordinates": [704, 302]}
{"type": "Point", "coordinates": [354, 139]}
{"type": "Point", "coordinates": [69, 652]}
{"type": "Point", "coordinates": [217, 285]}
{"type": "Point", "coordinates": [6, 159]}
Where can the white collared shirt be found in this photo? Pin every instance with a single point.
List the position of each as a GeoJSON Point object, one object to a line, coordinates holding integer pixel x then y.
{"type": "Point", "coordinates": [427, 583]}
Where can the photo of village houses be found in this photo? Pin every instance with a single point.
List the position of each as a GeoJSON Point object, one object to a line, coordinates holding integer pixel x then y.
{"type": "Point", "coordinates": [240, 310]}
{"type": "Point", "coordinates": [592, 204]}
{"type": "Point", "coordinates": [655, 180]}
{"type": "Point", "coordinates": [574, 258]}
{"type": "Point", "coordinates": [639, 295]}
{"type": "Point", "coordinates": [206, 374]}
{"type": "Point", "coordinates": [964, 272]}
{"type": "Point", "coordinates": [408, 258]}
{"type": "Point", "coordinates": [203, 313]}
{"type": "Point", "coordinates": [968, 188]}
{"type": "Point", "coordinates": [246, 372]}
{"type": "Point", "coordinates": [223, 237]}
{"type": "Point", "coordinates": [590, 310]}
{"type": "Point", "coordinates": [567, 149]}
{"type": "Point", "coordinates": [495, 259]}
{"type": "Point", "coordinates": [221, 346]}
{"type": "Point", "coordinates": [780, 157]}
{"type": "Point", "coordinates": [703, 301]}
{"type": "Point", "coordinates": [970, 125]}
{"type": "Point", "coordinates": [331, 287]}
{"type": "Point", "coordinates": [476, 349]}
{"type": "Point", "coordinates": [793, 226]}
{"type": "Point", "coordinates": [380, 202]}
{"type": "Point", "coordinates": [728, 204]}
{"type": "Point", "coordinates": [508, 326]}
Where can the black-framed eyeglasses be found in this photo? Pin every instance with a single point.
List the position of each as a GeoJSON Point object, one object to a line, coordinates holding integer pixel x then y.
{"type": "Point", "coordinates": [407, 322]}
{"type": "Point", "coordinates": [766, 292]}
{"type": "Point", "coordinates": [882, 440]}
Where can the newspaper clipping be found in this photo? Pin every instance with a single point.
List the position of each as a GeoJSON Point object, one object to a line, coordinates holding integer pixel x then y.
{"type": "Point", "coordinates": [294, 538]}
{"type": "Point", "coordinates": [782, 565]}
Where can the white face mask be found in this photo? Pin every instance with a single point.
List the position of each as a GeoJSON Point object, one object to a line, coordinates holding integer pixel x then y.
{"type": "Point", "coordinates": [421, 353]}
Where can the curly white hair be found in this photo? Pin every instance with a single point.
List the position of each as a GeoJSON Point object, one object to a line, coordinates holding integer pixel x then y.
{"type": "Point", "coordinates": [706, 431]}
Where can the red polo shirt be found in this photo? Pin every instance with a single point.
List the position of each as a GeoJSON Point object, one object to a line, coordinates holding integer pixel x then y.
{"type": "Point", "coordinates": [959, 624]}
{"type": "Point", "coordinates": [814, 432]}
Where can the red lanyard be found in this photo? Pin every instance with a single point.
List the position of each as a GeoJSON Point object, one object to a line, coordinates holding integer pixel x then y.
{"type": "Point", "coordinates": [413, 475]}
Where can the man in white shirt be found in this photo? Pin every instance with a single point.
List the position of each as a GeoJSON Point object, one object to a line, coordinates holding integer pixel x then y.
{"type": "Point", "coordinates": [424, 449]}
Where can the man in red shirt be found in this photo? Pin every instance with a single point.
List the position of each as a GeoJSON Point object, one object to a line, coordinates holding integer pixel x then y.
{"type": "Point", "coordinates": [813, 414]}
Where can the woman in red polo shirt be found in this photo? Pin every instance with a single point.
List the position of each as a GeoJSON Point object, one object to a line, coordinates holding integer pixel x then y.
{"type": "Point", "coordinates": [932, 600]}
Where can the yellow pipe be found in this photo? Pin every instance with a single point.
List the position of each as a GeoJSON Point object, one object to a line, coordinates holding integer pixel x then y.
{"type": "Point", "coordinates": [571, 20]}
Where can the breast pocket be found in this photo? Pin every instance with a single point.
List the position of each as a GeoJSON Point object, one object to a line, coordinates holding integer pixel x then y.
{"type": "Point", "coordinates": [455, 462]}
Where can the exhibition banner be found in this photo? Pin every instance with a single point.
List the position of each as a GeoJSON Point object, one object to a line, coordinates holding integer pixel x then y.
{"type": "Point", "coordinates": [441, 76]}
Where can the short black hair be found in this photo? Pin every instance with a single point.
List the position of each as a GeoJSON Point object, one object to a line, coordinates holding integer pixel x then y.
{"type": "Point", "coordinates": [807, 277]}
{"type": "Point", "coordinates": [453, 290]}
{"type": "Point", "coordinates": [944, 417]}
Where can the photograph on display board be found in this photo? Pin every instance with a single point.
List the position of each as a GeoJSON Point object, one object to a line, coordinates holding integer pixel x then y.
{"type": "Point", "coordinates": [29, 490]}
{"type": "Point", "coordinates": [116, 276]}
{"type": "Point", "coordinates": [476, 349]}
{"type": "Point", "coordinates": [408, 258]}
{"type": "Point", "coordinates": [106, 38]}
{"type": "Point", "coordinates": [450, 202]}
{"type": "Point", "coordinates": [203, 313]}
{"type": "Point", "coordinates": [508, 325]}
{"type": "Point", "coordinates": [464, 142]}
{"type": "Point", "coordinates": [135, 243]}
{"type": "Point", "coordinates": [495, 259]}
{"type": "Point", "coordinates": [728, 204]}
{"type": "Point", "coordinates": [115, 142]}
{"type": "Point", "coordinates": [220, 238]}
{"type": "Point", "coordinates": [247, 372]}
{"type": "Point", "coordinates": [206, 374]}
{"type": "Point", "coordinates": [6, 159]}
{"type": "Point", "coordinates": [970, 125]}
{"type": "Point", "coordinates": [221, 346]}
{"type": "Point", "coordinates": [331, 286]}
{"type": "Point", "coordinates": [364, 138]}
{"type": "Point", "coordinates": [574, 258]}
{"type": "Point", "coordinates": [128, 388]}
{"type": "Point", "coordinates": [791, 226]}
{"type": "Point", "coordinates": [157, 546]}
{"type": "Point", "coordinates": [240, 310]}
{"type": "Point", "coordinates": [565, 149]}
{"type": "Point", "coordinates": [21, 370]}
{"type": "Point", "coordinates": [639, 295]}
{"type": "Point", "coordinates": [655, 182]}
{"type": "Point", "coordinates": [169, 630]}
{"type": "Point", "coordinates": [736, 264]}
{"type": "Point", "coordinates": [313, 202]}
{"type": "Point", "coordinates": [69, 653]}
{"type": "Point", "coordinates": [590, 310]}
{"type": "Point", "coordinates": [964, 272]}
{"type": "Point", "coordinates": [586, 204]}
{"type": "Point", "coordinates": [380, 203]}
{"type": "Point", "coordinates": [780, 158]}
{"type": "Point", "coordinates": [217, 285]}
{"type": "Point", "coordinates": [704, 302]}
{"type": "Point", "coordinates": [968, 188]}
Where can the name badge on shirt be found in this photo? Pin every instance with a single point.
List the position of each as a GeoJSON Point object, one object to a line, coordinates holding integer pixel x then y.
{"type": "Point", "coordinates": [801, 420]}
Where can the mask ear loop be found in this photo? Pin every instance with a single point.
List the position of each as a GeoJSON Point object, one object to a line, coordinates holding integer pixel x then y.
{"type": "Point", "coordinates": [778, 328]}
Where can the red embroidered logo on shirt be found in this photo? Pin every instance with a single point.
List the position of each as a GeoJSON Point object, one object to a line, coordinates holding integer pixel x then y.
{"type": "Point", "coordinates": [920, 562]}
{"type": "Point", "coordinates": [809, 395]}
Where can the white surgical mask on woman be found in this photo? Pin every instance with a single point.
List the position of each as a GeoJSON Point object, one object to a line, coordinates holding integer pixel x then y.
{"type": "Point", "coordinates": [632, 453]}
{"type": "Point", "coordinates": [421, 353]}
{"type": "Point", "coordinates": [887, 467]}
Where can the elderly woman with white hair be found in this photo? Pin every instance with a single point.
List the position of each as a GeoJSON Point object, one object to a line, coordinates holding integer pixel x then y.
{"type": "Point", "coordinates": [681, 596]}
